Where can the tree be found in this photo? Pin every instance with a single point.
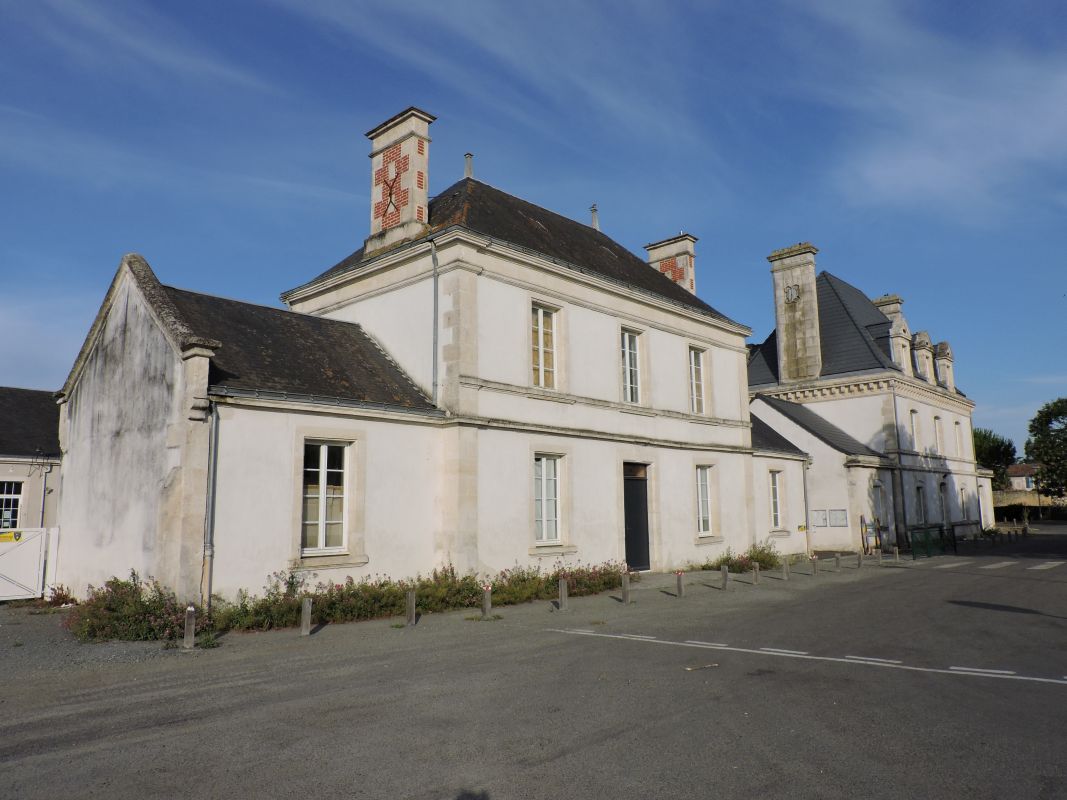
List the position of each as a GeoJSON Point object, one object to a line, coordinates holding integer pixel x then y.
{"type": "Point", "coordinates": [1047, 446]}
{"type": "Point", "coordinates": [995, 452]}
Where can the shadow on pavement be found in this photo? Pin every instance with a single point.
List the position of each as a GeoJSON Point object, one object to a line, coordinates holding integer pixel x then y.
{"type": "Point", "coordinates": [999, 607]}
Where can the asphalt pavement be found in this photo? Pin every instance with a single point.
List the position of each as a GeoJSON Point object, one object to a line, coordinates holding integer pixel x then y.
{"type": "Point", "coordinates": [942, 677]}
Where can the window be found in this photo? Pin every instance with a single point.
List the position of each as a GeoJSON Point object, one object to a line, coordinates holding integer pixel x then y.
{"type": "Point", "coordinates": [920, 506]}
{"type": "Point", "coordinates": [914, 416]}
{"type": "Point", "coordinates": [776, 512]}
{"type": "Point", "coordinates": [546, 499]}
{"type": "Point", "coordinates": [631, 373]}
{"type": "Point", "coordinates": [10, 494]}
{"type": "Point", "coordinates": [963, 504]}
{"type": "Point", "coordinates": [1029, 483]}
{"type": "Point", "coordinates": [939, 436]}
{"type": "Point", "coordinates": [544, 347]}
{"type": "Point", "coordinates": [819, 518]}
{"type": "Point", "coordinates": [959, 440]}
{"type": "Point", "coordinates": [704, 501]}
{"type": "Point", "coordinates": [324, 496]}
{"type": "Point", "coordinates": [696, 380]}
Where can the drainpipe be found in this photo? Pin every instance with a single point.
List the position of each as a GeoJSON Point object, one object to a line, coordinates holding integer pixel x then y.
{"type": "Point", "coordinates": [45, 470]}
{"type": "Point", "coordinates": [899, 522]}
{"type": "Point", "coordinates": [207, 571]}
{"type": "Point", "coordinates": [433, 258]}
{"type": "Point", "coordinates": [807, 515]}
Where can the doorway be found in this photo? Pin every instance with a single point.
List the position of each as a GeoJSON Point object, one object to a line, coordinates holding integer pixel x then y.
{"type": "Point", "coordinates": [635, 504]}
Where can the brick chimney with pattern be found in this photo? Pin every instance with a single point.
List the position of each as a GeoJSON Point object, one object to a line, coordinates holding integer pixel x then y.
{"type": "Point", "coordinates": [400, 158]}
{"type": "Point", "coordinates": [675, 258]}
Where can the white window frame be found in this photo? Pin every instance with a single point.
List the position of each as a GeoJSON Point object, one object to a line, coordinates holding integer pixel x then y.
{"type": "Point", "coordinates": [630, 362]}
{"type": "Point", "coordinates": [10, 504]}
{"type": "Point", "coordinates": [538, 348]}
{"type": "Point", "coordinates": [775, 488]}
{"type": "Point", "coordinates": [346, 481]}
{"type": "Point", "coordinates": [542, 495]}
{"type": "Point", "coordinates": [703, 477]}
{"type": "Point", "coordinates": [696, 380]}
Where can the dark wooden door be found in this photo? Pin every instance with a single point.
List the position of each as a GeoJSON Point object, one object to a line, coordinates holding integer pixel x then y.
{"type": "Point", "coordinates": [635, 503]}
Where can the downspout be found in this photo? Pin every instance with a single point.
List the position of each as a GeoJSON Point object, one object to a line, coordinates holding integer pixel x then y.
{"type": "Point", "coordinates": [433, 258]}
{"type": "Point", "coordinates": [207, 572]}
{"type": "Point", "coordinates": [899, 522]}
{"type": "Point", "coordinates": [47, 468]}
{"type": "Point", "coordinates": [807, 515]}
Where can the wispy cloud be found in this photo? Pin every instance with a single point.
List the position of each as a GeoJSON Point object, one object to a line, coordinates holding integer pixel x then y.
{"type": "Point", "coordinates": [1047, 380]}
{"type": "Point", "coordinates": [936, 123]}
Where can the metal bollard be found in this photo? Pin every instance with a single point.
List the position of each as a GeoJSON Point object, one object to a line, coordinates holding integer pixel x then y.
{"type": "Point", "coordinates": [305, 617]}
{"type": "Point", "coordinates": [411, 606]}
{"type": "Point", "coordinates": [562, 594]}
{"type": "Point", "coordinates": [626, 588]}
{"type": "Point", "coordinates": [896, 554]}
{"type": "Point", "coordinates": [725, 578]}
{"type": "Point", "coordinates": [837, 562]}
{"type": "Point", "coordinates": [785, 568]}
{"type": "Point", "coordinates": [487, 602]}
{"type": "Point", "coordinates": [681, 585]}
{"type": "Point", "coordinates": [190, 628]}
{"type": "Point", "coordinates": [755, 573]}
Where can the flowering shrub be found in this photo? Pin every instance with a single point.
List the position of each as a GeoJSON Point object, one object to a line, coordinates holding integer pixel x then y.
{"type": "Point", "coordinates": [130, 609]}
{"type": "Point", "coordinates": [764, 554]}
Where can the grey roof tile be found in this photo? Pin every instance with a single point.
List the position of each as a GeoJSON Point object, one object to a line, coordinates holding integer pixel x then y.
{"type": "Point", "coordinates": [29, 422]}
{"type": "Point", "coordinates": [764, 437]}
{"type": "Point", "coordinates": [819, 427]}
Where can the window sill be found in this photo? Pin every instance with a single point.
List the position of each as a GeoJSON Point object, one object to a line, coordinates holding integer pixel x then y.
{"type": "Point", "coordinates": [312, 560]}
{"type": "Point", "coordinates": [780, 533]}
{"type": "Point", "coordinates": [553, 550]}
{"type": "Point", "coordinates": [638, 410]}
{"type": "Point", "coordinates": [703, 540]}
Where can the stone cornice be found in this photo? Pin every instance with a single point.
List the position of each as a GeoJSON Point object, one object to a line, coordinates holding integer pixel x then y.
{"type": "Point", "coordinates": [829, 389]}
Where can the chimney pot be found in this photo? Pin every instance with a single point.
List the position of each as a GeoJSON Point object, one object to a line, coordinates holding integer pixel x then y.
{"type": "Point", "coordinates": [468, 167]}
{"type": "Point", "coordinates": [596, 217]}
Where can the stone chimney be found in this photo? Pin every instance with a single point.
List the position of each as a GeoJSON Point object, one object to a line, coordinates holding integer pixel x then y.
{"type": "Point", "coordinates": [796, 312]}
{"type": "Point", "coordinates": [899, 336]}
{"type": "Point", "coordinates": [399, 187]}
{"type": "Point", "coordinates": [943, 362]}
{"type": "Point", "coordinates": [923, 349]}
{"type": "Point", "coordinates": [675, 258]}
{"type": "Point", "coordinates": [594, 217]}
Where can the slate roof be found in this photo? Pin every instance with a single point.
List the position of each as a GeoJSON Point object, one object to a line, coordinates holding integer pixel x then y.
{"type": "Point", "coordinates": [853, 333]}
{"type": "Point", "coordinates": [29, 422]}
{"type": "Point", "coordinates": [764, 437]}
{"type": "Point", "coordinates": [274, 350]}
{"type": "Point", "coordinates": [485, 210]}
{"type": "Point", "coordinates": [820, 428]}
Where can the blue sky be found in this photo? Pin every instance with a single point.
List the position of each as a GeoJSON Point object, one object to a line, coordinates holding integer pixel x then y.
{"type": "Point", "coordinates": [921, 146]}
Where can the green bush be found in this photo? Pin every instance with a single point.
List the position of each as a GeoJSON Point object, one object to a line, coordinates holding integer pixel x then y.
{"type": "Point", "coordinates": [766, 555]}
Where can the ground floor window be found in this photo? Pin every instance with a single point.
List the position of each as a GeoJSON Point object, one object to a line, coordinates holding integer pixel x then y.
{"type": "Point", "coordinates": [325, 467]}
{"type": "Point", "coordinates": [546, 498]}
{"type": "Point", "coordinates": [920, 506]}
{"type": "Point", "coordinates": [10, 495]}
{"type": "Point", "coordinates": [776, 509]}
{"type": "Point", "coordinates": [704, 501]}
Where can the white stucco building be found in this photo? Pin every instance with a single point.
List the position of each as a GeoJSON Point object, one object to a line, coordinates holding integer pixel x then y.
{"type": "Point", "coordinates": [484, 383]}
{"type": "Point", "coordinates": [875, 405]}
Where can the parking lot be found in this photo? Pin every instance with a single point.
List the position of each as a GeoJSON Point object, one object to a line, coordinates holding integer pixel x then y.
{"type": "Point", "coordinates": [942, 677]}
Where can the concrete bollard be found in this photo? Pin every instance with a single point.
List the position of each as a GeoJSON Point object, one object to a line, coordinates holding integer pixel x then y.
{"type": "Point", "coordinates": [837, 562]}
{"type": "Point", "coordinates": [562, 594]}
{"type": "Point", "coordinates": [815, 565]}
{"type": "Point", "coordinates": [755, 573]}
{"type": "Point", "coordinates": [411, 606]}
{"type": "Point", "coordinates": [896, 554]}
{"type": "Point", "coordinates": [725, 578]}
{"type": "Point", "coordinates": [785, 568]}
{"type": "Point", "coordinates": [681, 585]}
{"type": "Point", "coordinates": [859, 560]}
{"type": "Point", "coordinates": [879, 555]}
{"type": "Point", "coordinates": [305, 617]}
{"type": "Point", "coordinates": [190, 628]}
{"type": "Point", "coordinates": [487, 602]}
{"type": "Point", "coordinates": [626, 588]}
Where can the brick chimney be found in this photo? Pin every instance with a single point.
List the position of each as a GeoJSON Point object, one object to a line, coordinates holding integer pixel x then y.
{"type": "Point", "coordinates": [675, 258]}
{"type": "Point", "coordinates": [796, 312]}
{"type": "Point", "coordinates": [399, 187]}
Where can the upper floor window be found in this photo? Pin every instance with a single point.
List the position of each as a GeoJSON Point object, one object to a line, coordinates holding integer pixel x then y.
{"type": "Point", "coordinates": [631, 369]}
{"type": "Point", "coordinates": [704, 501]}
{"type": "Point", "coordinates": [696, 380]}
{"type": "Point", "coordinates": [546, 499]}
{"type": "Point", "coordinates": [914, 418]}
{"type": "Point", "coordinates": [959, 440]}
{"type": "Point", "coordinates": [939, 437]}
{"type": "Point", "coordinates": [543, 340]}
{"type": "Point", "coordinates": [325, 465]}
{"type": "Point", "coordinates": [776, 508]}
{"type": "Point", "coordinates": [10, 495]}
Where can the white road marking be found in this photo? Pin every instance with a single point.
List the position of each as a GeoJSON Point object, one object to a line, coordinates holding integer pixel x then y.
{"type": "Point", "coordinates": [705, 644]}
{"type": "Point", "coordinates": [951, 564]}
{"type": "Point", "coordinates": [999, 565]}
{"type": "Point", "coordinates": [1049, 565]}
{"type": "Point", "coordinates": [808, 657]}
{"type": "Point", "coordinates": [787, 652]}
{"type": "Point", "coordinates": [874, 660]}
{"type": "Point", "coordinates": [983, 671]}
{"type": "Point", "coordinates": [633, 636]}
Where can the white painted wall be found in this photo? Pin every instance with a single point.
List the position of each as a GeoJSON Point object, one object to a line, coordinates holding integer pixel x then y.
{"type": "Point", "coordinates": [39, 481]}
